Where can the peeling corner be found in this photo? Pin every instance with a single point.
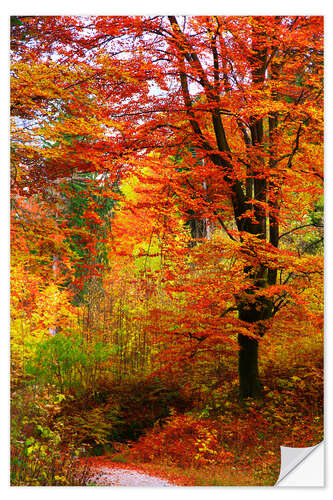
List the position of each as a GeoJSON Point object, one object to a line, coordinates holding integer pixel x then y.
{"type": "Point", "coordinates": [291, 458]}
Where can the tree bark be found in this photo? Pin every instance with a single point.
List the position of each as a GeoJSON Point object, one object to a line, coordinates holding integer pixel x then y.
{"type": "Point", "coordinates": [253, 309]}
{"type": "Point", "coordinates": [249, 383]}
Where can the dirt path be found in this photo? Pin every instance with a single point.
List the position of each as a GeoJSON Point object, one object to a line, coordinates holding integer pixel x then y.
{"type": "Point", "coordinates": [108, 476]}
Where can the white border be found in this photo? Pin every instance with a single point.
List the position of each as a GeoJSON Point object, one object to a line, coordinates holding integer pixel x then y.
{"type": "Point", "coordinates": [76, 7]}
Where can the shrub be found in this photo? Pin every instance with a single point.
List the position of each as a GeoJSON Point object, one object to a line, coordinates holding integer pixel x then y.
{"type": "Point", "coordinates": [38, 463]}
{"type": "Point", "coordinates": [141, 403]}
{"type": "Point", "coordinates": [119, 412]}
{"type": "Point", "coordinates": [183, 441]}
{"type": "Point", "coordinates": [69, 362]}
{"type": "Point", "coordinates": [90, 426]}
{"type": "Point", "coordinates": [38, 455]}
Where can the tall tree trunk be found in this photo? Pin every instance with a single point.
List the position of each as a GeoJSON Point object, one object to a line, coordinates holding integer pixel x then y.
{"type": "Point", "coordinates": [249, 383]}
{"type": "Point", "coordinates": [250, 311]}
{"type": "Point", "coordinates": [254, 309]}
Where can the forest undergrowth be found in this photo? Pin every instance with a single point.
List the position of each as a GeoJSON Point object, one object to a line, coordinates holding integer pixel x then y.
{"type": "Point", "coordinates": [186, 423]}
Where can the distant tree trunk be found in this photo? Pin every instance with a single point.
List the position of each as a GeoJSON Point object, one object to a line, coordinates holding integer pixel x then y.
{"type": "Point", "coordinates": [198, 228]}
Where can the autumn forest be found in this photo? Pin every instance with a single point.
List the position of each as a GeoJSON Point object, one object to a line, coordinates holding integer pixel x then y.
{"type": "Point", "coordinates": [166, 246]}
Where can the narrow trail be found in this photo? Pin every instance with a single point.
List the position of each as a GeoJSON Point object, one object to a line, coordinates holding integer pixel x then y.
{"type": "Point", "coordinates": [106, 475]}
{"type": "Point", "coordinates": [103, 472]}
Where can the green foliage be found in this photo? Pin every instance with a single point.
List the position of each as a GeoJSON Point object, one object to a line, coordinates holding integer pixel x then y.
{"type": "Point", "coordinates": [87, 213]}
{"type": "Point", "coordinates": [39, 457]}
{"type": "Point", "coordinates": [70, 363]}
{"type": "Point", "coordinates": [317, 214]}
{"type": "Point", "coordinates": [315, 240]}
{"type": "Point", "coordinates": [15, 21]}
